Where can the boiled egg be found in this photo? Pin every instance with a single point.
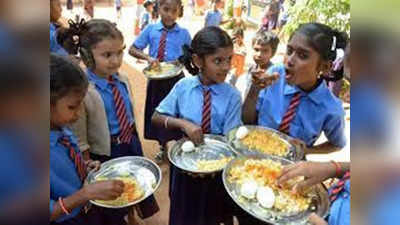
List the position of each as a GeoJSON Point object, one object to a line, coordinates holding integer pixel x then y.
{"type": "Point", "coordinates": [188, 146]}
{"type": "Point", "coordinates": [266, 197]}
{"type": "Point", "coordinates": [147, 175]}
{"type": "Point", "coordinates": [249, 189]}
{"type": "Point", "coordinates": [242, 132]}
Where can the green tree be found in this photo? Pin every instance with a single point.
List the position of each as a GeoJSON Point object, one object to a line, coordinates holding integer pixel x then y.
{"type": "Point", "coordinates": [334, 13]}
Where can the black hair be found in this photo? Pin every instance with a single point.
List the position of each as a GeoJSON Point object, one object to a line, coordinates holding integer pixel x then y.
{"type": "Point", "coordinates": [147, 3]}
{"type": "Point", "coordinates": [206, 42]}
{"type": "Point", "coordinates": [178, 2]}
{"type": "Point", "coordinates": [323, 39]}
{"type": "Point", "coordinates": [84, 35]}
{"type": "Point", "coordinates": [264, 37]}
{"type": "Point", "coordinates": [65, 77]}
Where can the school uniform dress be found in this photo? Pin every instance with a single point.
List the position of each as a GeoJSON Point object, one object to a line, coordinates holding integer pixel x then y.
{"type": "Point", "coordinates": [172, 41]}
{"type": "Point", "coordinates": [118, 5]}
{"type": "Point", "coordinates": [55, 47]}
{"type": "Point", "coordinates": [339, 213]}
{"type": "Point", "coordinates": [64, 178]}
{"type": "Point", "coordinates": [317, 111]}
{"type": "Point", "coordinates": [99, 128]}
{"type": "Point", "coordinates": [145, 20]}
{"type": "Point", "coordinates": [213, 18]}
{"type": "Point", "coordinates": [200, 201]}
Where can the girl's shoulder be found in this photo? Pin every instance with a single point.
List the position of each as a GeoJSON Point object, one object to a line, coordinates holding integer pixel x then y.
{"type": "Point", "coordinates": [328, 100]}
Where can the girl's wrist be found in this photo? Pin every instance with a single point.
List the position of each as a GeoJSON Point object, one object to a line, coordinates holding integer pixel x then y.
{"type": "Point", "coordinates": [335, 170]}
{"type": "Point", "coordinates": [84, 194]}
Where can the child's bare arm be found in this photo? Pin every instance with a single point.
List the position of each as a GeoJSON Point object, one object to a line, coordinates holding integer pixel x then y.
{"type": "Point", "coordinates": [249, 115]}
{"type": "Point", "coordinates": [137, 53]}
{"type": "Point", "coordinates": [101, 190]}
{"type": "Point", "coordinates": [193, 131]}
{"type": "Point", "coordinates": [71, 202]}
{"type": "Point", "coordinates": [323, 148]}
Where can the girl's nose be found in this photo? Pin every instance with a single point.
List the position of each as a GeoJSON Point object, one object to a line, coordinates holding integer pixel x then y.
{"type": "Point", "coordinates": [290, 60]}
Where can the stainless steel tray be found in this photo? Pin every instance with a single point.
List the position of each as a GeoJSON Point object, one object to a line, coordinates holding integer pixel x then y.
{"type": "Point", "coordinates": [147, 174]}
{"type": "Point", "coordinates": [319, 205]}
{"type": "Point", "coordinates": [294, 154]}
{"type": "Point", "coordinates": [178, 68]}
{"type": "Point", "coordinates": [214, 148]}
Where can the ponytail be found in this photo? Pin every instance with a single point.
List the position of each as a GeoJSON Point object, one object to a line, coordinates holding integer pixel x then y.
{"type": "Point", "coordinates": [187, 60]}
{"type": "Point", "coordinates": [207, 41]}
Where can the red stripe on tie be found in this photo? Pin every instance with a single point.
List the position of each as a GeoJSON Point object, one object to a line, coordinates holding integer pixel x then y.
{"type": "Point", "coordinates": [125, 134]}
{"type": "Point", "coordinates": [206, 115]}
{"type": "Point", "coordinates": [339, 187]}
{"type": "Point", "coordinates": [75, 157]}
{"type": "Point", "coordinates": [161, 45]}
{"type": "Point", "coordinates": [290, 113]}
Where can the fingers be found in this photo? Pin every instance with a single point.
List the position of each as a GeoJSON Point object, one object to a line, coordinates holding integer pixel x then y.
{"type": "Point", "coordinates": [304, 185]}
{"type": "Point", "coordinates": [314, 219]}
{"type": "Point", "coordinates": [290, 173]}
{"type": "Point", "coordinates": [263, 80]}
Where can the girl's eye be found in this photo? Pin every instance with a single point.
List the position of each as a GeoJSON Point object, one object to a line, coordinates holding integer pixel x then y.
{"type": "Point", "coordinates": [107, 54]}
{"type": "Point", "coordinates": [289, 51]}
{"type": "Point", "coordinates": [217, 61]}
{"type": "Point", "coordinates": [303, 55]}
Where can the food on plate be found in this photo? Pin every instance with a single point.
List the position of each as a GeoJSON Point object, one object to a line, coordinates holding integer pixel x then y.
{"type": "Point", "coordinates": [249, 189]}
{"type": "Point", "coordinates": [211, 165]}
{"type": "Point", "coordinates": [264, 172]}
{"type": "Point", "coordinates": [188, 146]}
{"type": "Point", "coordinates": [242, 132]}
{"type": "Point", "coordinates": [266, 197]}
{"type": "Point", "coordinates": [148, 176]}
{"type": "Point", "coordinates": [161, 69]}
{"type": "Point", "coordinates": [266, 142]}
{"type": "Point", "coordinates": [132, 191]}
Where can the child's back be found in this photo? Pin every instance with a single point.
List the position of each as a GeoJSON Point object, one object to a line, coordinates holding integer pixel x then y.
{"type": "Point", "coordinates": [213, 18]}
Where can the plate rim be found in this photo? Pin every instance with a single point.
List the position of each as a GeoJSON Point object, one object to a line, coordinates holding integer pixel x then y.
{"type": "Point", "coordinates": [179, 71]}
{"type": "Point", "coordinates": [241, 151]}
{"type": "Point", "coordinates": [170, 150]}
{"type": "Point", "coordinates": [242, 157]}
{"type": "Point", "coordinates": [134, 202]}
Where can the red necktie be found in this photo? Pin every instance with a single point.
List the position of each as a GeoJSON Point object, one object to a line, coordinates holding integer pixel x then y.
{"type": "Point", "coordinates": [75, 157]}
{"type": "Point", "coordinates": [206, 116]}
{"type": "Point", "coordinates": [126, 129]}
{"type": "Point", "coordinates": [161, 46]}
{"type": "Point", "coordinates": [338, 187]}
{"type": "Point", "coordinates": [290, 113]}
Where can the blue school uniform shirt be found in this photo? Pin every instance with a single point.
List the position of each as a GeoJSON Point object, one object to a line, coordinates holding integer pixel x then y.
{"type": "Point", "coordinates": [55, 47]}
{"type": "Point", "coordinates": [318, 111]}
{"type": "Point", "coordinates": [145, 20]}
{"type": "Point", "coordinates": [64, 179]}
{"type": "Point", "coordinates": [105, 91]}
{"type": "Point", "coordinates": [213, 18]}
{"type": "Point", "coordinates": [186, 101]}
{"type": "Point", "coordinates": [176, 38]}
{"type": "Point", "coordinates": [339, 213]}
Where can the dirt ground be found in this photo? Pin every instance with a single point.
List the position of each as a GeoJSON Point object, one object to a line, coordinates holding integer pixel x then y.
{"type": "Point", "coordinates": [150, 148]}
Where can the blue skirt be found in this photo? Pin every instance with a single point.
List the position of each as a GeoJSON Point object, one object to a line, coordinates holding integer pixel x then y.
{"type": "Point", "coordinates": [157, 90]}
{"type": "Point", "coordinates": [147, 207]}
{"type": "Point", "coordinates": [198, 201]}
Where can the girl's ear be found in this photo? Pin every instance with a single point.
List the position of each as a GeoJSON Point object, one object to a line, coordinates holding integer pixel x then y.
{"type": "Point", "coordinates": [325, 67]}
{"type": "Point", "coordinates": [198, 62]}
